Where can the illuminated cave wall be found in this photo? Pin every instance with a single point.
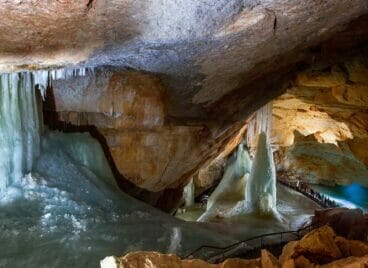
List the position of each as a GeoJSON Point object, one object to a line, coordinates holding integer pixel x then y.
{"type": "Point", "coordinates": [320, 125]}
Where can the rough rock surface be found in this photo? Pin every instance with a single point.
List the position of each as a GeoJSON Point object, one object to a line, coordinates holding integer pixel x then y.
{"type": "Point", "coordinates": [319, 248]}
{"type": "Point", "coordinates": [351, 262]}
{"type": "Point", "coordinates": [339, 218]}
{"type": "Point", "coordinates": [268, 260]}
{"type": "Point", "coordinates": [319, 245]}
{"type": "Point", "coordinates": [156, 260]}
{"type": "Point", "coordinates": [321, 124]}
{"type": "Point", "coordinates": [322, 246]}
{"type": "Point", "coordinates": [126, 111]}
{"type": "Point", "coordinates": [201, 49]}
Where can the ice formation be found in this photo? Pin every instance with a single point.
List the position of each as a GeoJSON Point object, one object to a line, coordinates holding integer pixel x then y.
{"type": "Point", "coordinates": [233, 182]}
{"type": "Point", "coordinates": [61, 207]}
{"type": "Point", "coordinates": [261, 187]}
{"type": "Point", "coordinates": [261, 122]}
{"type": "Point", "coordinates": [188, 194]}
{"type": "Point", "coordinates": [43, 78]}
{"type": "Point", "coordinates": [260, 192]}
{"type": "Point", "coordinates": [19, 128]}
{"type": "Point", "coordinates": [241, 193]}
{"type": "Point", "coordinates": [20, 117]}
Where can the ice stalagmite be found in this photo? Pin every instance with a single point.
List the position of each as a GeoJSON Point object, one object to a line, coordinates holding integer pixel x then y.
{"type": "Point", "coordinates": [261, 186]}
{"type": "Point", "coordinates": [233, 181]}
{"type": "Point", "coordinates": [188, 194]}
{"type": "Point", "coordinates": [19, 127]}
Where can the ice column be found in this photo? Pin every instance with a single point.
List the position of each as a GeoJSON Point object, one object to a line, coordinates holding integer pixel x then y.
{"type": "Point", "coordinates": [261, 186]}
{"type": "Point", "coordinates": [19, 127]}
{"type": "Point", "coordinates": [188, 194]}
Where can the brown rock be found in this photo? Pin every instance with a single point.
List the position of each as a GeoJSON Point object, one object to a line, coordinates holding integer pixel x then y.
{"type": "Point", "coordinates": [351, 262]}
{"type": "Point", "coordinates": [358, 70]}
{"type": "Point", "coordinates": [289, 264]}
{"type": "Point", "coordinates": [303, 262]}
{"type": "Point", "coordinates": [319, 245]}
{"type": "Point", "coordinates": [268, 260]}
{"type": "Point", "coordinates": [240, 263]}
{"type": "Point", "coordinates": [351, 247]}
{"type": "Point", "coordinates": [339, 218]}
{"type": "Point", "coordinates": [157, 260]}
{"type": "Point", "coordinates": [128, 111]}
{"type": "Point", "coordinates": [331, 107]}
{"type": "Point", "coordinates": [289, 251]}
{"type": "Point", "coordinates": [321, 79]}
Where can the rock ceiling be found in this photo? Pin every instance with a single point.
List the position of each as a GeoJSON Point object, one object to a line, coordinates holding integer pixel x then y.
{"type": "Point", "coordinates": [202, 50]}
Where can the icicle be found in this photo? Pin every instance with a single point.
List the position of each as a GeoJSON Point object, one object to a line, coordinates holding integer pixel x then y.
{"type": "Point", "coordinates": [261, 122]}
{"type": "Point", "coordinates": [43, 77]}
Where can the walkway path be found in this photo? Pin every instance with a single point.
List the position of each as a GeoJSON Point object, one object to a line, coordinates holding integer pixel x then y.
{"type": "Point", "coordinates": [304, 189]}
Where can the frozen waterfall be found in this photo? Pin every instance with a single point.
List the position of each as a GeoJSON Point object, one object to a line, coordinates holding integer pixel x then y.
{"type": "Point", "coordinates": [19, 127]}
{"type": "Point", "coordinates": [20, 120]}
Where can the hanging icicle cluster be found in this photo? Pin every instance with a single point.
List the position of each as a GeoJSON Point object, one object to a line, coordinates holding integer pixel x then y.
{"type": "Point", "coordinates": [21, 120]}
{"type": "Point", "coordinates": [261, 122]}
{"type": "Point", "coordinates": [43, 78]}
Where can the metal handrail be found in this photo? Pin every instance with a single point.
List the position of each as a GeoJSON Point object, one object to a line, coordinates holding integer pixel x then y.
{"type": "Point", "coordinates": [244, 244]}
{"type": "Point", "coordinates": [307, 194]}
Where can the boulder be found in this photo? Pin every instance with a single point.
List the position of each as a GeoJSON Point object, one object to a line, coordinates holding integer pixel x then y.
{"type": "Point", "coordinates": [289, 252]}
{"type": "Point", "coordinates": [339, 218]}
{"type": "Point", "coordinates": [319, 245]}
{"type": "Point", "coordinates": [158, 260]}
{"type": "Point", "coordinates": [351, 247]}
{"type": "Point", "coordinates": [351, 262]}
{"type": "Point", "coordinates": [303, 262]}
{"type": "Point", "coordinates": [268, 260]}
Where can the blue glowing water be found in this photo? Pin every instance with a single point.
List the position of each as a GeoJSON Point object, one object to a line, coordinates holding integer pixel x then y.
{"type": "Point", "coordinates": [353, 195]}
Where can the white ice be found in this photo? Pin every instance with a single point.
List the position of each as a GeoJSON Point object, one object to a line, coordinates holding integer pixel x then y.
{"type": "Point", "coordinates": [261, 187]}
{"type": "Point", "coordinates": [232, 185]}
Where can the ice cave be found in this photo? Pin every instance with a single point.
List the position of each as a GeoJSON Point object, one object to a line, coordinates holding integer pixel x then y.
{"type": "Point", "coordinates": [196, 133]}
